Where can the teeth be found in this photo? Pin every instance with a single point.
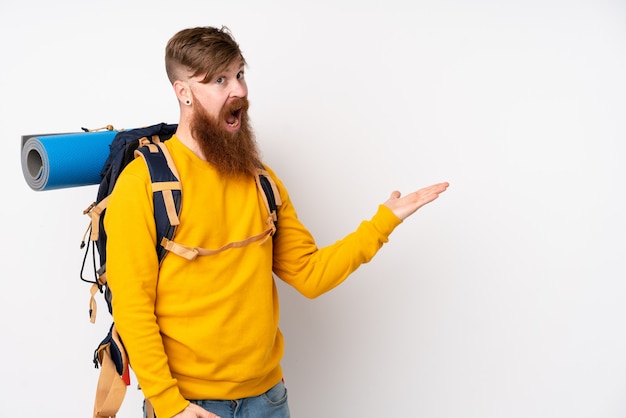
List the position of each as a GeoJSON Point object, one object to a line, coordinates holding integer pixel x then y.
{"type": "Point", "coordinates": [234, 117]}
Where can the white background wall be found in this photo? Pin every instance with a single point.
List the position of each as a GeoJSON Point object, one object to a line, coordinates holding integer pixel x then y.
{"type": "Point", "coordinates": [505, 298]}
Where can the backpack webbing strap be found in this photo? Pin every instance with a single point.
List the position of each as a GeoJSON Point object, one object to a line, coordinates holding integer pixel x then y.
{"type": "Point", "coordinates": [94, 211]}
{"type": "Point", "coordinates": [93, 306]}
{"type": "Point", "coordinates": [148, 409]}
{"type": "Point", "coordinates": [168, 198]}
{"type": "Point", "coordinates": [111, 387]}
{"type": "Point", "coordinates": [191, 253]}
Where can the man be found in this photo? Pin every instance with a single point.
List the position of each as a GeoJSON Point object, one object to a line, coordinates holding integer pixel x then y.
{"type": "Point", "coordinates": [202, 335]}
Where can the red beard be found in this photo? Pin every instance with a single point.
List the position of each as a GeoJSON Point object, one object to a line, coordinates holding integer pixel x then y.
{"type": "Point", "coordinates": [233, 154]}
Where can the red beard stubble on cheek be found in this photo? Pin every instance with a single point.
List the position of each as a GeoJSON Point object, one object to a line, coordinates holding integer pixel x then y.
{"type": "Point", "coordinates": [233, 154]}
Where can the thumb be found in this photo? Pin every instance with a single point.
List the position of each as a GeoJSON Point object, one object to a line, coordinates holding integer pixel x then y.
{"type": "Point", "coordinates": [395, 194]}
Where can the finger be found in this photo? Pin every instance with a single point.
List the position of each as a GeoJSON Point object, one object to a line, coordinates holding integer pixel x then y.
{"type": "Point", "coordinates": [442, 186]}
{"type": "Point", "coordinates": [438, 187]}
{"type": "Point", "coordinates": [428, 194]}
{"type": "Point", "coordinates": [435, 189]}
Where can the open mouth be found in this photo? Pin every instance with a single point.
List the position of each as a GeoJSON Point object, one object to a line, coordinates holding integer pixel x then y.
{"type": "Point", "coordinates": [232, 120]}
{"type": "Point", "coordinates": [233, 113]}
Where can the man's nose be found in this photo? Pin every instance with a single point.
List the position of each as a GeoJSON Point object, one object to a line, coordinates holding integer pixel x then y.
{"type": "Point", "coordinates": [239, 89]}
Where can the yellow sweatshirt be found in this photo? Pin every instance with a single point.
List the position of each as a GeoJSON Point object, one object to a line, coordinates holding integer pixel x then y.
{"type": "Point", "coordinates": [208, 328]}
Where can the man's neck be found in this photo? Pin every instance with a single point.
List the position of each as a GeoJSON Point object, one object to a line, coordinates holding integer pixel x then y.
{"type": "Point", "coordinates": [183, 133]}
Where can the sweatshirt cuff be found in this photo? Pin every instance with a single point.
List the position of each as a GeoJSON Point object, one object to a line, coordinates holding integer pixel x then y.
{"type": "Point", "coordinates": [169, 403]}
{"type": "Point", "coordinates": [385, 221]}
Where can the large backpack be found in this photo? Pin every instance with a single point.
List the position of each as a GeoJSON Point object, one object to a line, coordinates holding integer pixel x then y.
{"type": "Point", "coordinates": [110, 355]}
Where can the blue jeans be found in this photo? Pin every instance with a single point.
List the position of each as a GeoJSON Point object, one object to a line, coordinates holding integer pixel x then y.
{"type": "Point", "coordinates": [271, 404]}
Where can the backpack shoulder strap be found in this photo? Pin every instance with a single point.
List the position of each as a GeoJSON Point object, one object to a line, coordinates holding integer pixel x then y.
{"type": "Point", "coordinates": [271, 196]}
{"type": "Point", "coordinates": [167, 191]}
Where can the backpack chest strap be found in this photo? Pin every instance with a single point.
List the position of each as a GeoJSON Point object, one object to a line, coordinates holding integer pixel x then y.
{"type": "Point", "coordinates": [190, 253]}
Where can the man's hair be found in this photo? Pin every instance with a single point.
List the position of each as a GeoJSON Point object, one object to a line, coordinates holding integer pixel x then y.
{"type": "Point", "coordinates": [201, 51]}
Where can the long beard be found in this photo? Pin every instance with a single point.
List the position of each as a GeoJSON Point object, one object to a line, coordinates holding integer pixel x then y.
{"type": "Point", "coordinates": [233, 154]}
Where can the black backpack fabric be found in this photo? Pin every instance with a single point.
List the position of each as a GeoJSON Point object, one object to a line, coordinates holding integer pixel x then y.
{"type": "Point", "coordinates": [122, 152]}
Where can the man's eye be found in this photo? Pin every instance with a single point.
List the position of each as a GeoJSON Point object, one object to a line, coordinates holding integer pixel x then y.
{"type": "Point", "coordinates": [220, 80]}
{"type": "Point", "coordinates": [240, 74]}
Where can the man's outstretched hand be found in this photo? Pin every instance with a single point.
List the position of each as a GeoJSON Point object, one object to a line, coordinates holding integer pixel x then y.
{"type": "Point", "coordinates": [403, 207]}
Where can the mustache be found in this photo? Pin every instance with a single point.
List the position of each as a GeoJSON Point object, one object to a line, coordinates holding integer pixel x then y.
{"type": "Point", "coordinates": [237, 105]}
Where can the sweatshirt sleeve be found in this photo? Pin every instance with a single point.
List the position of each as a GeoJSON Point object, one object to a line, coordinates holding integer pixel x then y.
{"type": "Point", "coordinates": [132, 273]}
{"type": "Point", "coordinates": [312, 270]}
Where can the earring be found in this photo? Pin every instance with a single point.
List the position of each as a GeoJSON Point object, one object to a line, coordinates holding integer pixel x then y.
{"type": "Point", "coordinates": [188, 102]}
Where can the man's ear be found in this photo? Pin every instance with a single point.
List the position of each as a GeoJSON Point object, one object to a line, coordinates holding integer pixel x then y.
{"type": "Point", "coordinates": [183, 92]}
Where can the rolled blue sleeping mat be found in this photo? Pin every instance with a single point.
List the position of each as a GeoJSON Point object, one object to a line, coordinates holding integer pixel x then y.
{"type": "Point", "coordinates": [56, 161]}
